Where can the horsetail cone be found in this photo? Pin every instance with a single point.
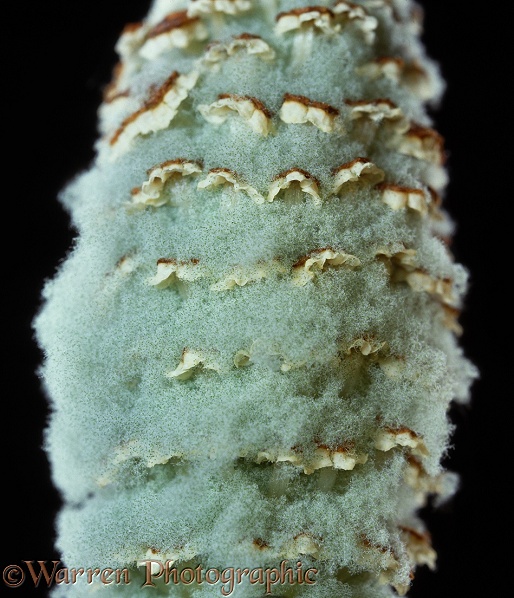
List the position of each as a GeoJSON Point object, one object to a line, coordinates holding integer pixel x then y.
{"type": "Point", "coordinates": [252, 348]}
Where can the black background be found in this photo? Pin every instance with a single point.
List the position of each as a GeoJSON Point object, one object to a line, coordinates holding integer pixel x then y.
{"type": "Point", "coordinates": [56, 57]}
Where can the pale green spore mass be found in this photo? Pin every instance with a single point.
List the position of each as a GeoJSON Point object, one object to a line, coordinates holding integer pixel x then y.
{"type": "Point", "coordinates": [245, 367]}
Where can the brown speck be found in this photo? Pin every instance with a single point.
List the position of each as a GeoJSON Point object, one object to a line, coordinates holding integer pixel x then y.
{"type": "Point", "coordinates": [121, 260]}
{"type": "Point", "coordinates": [260, 543]}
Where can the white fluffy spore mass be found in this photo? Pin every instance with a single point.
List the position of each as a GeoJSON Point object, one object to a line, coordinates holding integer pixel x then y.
{"type": "Point", "coordinates": [245, 361]}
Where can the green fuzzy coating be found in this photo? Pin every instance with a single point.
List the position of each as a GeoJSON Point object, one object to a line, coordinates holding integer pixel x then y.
{"type": "Point", "coordinates": [147, 460]}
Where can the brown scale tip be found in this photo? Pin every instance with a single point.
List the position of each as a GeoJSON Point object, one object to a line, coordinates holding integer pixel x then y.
{"type": "Point", "coordinates": [436, 197]}
{"type": "Point", "coordinates": [388, 59]}
{"type": "Point", "coordinates": [110, 91]}
{"type": "Point", "coordinates": [156, 97]}
{"type": "Point", "coordinates": [422, 271]}
{"type": "Point", "coordinates": [431, 135]}
{"type": "Point", "coordinates": [170, 260]}
{"type": "Point", "coordinates": [131, 27]}
{"type": "Point", "coordinates": [173, 161]}
{"type": "Point", "coordinates": [413, 461]}
{"type": "Point", "coordinates": [417, 14]}
{"type": "Point", "coordinates": [343, 447]}
{"type": "Point", "coordinates": [257, 103]}
{"type": "Point", "coordinates": [212, 44]}
{"type": "Point", "coordinates": [289, 97]}
{"type": "Point", "coordinates": [394, 187]}
{"type": "Point", "coordinates": [241, 37]}
{"type": "Point", "coordinates": [421, 536]}
{"type": "Point", "coordinates": [301, 11]}
{"type": "Point", "coordinates": [369, 544]}
{"type": "Point", "coordinates": [306, 174]}
{"type": "Point", "coordinates": [454, 312]}
{"type": "Point", "coordinates": [110, 96]}
{"type": "Point", "coordinates": [415, 69]}
{"type": "Point", "coordinates": [374, 102]}
{"type": "Point", "coordinates": [402, 430]}
{"type": "Point", "coordinates": [417, 130]}
{"type": "Point", "coordinates": [246, 36]}
{"type": "Point", "coordinates": [350, 4]}
{"type": "Point", "coordinates": [304, 258]}
{"type": "Point", "coordinates": [174, 20]}
{"type": "Point", "coordinates": [346, 165]}
{"type": "Point", "coordinates": [215, 170]}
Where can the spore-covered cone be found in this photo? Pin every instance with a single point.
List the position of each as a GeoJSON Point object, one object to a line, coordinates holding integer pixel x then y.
{"type": "Point", "coordinates": [252, 348]}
